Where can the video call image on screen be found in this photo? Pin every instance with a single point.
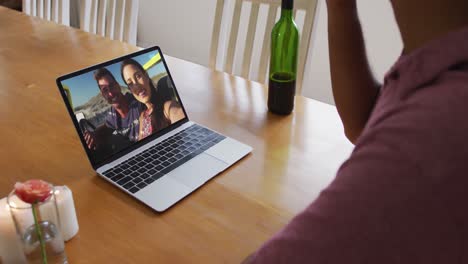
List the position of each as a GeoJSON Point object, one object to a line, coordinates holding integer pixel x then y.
{"type": "Point", "coordinates": [123, 103]}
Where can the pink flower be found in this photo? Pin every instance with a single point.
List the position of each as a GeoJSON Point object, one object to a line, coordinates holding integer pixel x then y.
{"type": "Point", "coordinates": [33, 191]}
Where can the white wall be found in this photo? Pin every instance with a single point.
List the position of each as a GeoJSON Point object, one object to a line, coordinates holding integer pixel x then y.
{"type": "Point", "coordinates": [383, 45]}
{"type": "Point", "coordinates": [183, 29]}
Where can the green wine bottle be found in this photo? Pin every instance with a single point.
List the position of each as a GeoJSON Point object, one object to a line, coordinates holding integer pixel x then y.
{"type": "Point", "coordinates": [283, 62]}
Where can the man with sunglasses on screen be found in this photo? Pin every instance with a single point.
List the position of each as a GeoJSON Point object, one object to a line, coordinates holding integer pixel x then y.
{"type": "Point", "coordinates": [121, 119]}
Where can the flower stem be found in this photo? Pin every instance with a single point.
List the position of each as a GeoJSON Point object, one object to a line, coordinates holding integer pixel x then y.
{"type": "Point", "coordinates": [39, 234]}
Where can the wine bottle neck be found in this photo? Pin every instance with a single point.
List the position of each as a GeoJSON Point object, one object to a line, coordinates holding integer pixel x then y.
{"type": "Point", "coordinates": [287, 9]}
{"type": "Point", "coordinates": [286, 13]}
{"type": "Point", "coordinates": [287, 4]}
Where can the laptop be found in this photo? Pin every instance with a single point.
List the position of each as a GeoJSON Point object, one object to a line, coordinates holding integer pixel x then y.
{"type": "Point", "coordinates": [136, 131]}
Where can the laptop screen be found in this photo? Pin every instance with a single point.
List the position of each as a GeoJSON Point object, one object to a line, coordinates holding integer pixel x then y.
{"type": "Point", "coordinates": [122, 102]}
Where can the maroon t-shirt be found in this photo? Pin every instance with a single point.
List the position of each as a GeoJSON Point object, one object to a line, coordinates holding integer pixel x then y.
{"type": "Point", "coordinates": [402, 196]}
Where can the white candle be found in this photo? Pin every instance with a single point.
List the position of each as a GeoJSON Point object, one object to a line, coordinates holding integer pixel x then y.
{"type": "Point", "coordinates": [67, 212]}
{"type": "Point", "coordinates": [11, 250]}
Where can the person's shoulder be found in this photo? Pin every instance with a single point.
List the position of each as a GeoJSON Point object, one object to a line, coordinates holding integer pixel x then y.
{"type": "Point", "coordinates": [111, 113]}
{"type": "Point", "coordinates": [425, 124]}
{"type": "Point", "coordinates": [132, 102]}
{"type": "Point", "coordinates": [130, 98]}
{"type": "Point", "coordinates": [171, 103]}
{"type": "Point", "coordinates": [111, 118]}
{"type": "Point", "coordinates": [167, 104]}
{"type": "Point", "coordinates": [428, 104]}
{"type": "Point", "coordinates": [452, 82]}
{"type": "Point", "coordinates": [446, 96]}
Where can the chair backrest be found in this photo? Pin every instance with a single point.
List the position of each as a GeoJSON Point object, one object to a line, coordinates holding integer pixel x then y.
{"type": "Point", "coordinates": [52, 10]}
{"type": "Point", "coordinates": [307, 7]}
{"type": "Point", "coordinates": [115, 19]}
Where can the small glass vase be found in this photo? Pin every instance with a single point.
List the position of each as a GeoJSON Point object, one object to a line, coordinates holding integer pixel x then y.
{"type": "Point", "coordinates": [45, 228]}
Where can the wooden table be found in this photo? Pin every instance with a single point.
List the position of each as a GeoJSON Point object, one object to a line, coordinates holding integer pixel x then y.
{"type": "Point", "coordinates": [294, 157]}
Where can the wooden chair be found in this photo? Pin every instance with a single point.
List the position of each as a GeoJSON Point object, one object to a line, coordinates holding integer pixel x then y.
{"type": "Point", "coordinates": [52, 10]}
{"type": "Point", "coordinates": [307, 6]}
{"type": "Point", "coordinates": [115, 19]}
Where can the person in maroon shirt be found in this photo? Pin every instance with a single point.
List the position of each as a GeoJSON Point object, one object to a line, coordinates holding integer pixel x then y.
{"type": "Point", "coordinates": [402, 196]}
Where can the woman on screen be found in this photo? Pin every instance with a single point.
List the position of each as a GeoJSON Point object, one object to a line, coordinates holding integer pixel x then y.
{"type": "Point", "coordinates": [158, 113]}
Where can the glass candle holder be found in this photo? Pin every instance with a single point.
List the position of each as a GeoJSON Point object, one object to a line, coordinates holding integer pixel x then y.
{"type": "Point", "coordinates": [38, 227]}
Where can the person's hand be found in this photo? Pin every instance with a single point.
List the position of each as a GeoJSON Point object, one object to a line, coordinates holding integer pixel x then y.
{"type": "Point", "coordinates": [90, 139]}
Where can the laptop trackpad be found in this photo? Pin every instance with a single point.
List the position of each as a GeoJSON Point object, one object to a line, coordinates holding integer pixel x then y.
{"type": "Point", "coordinates": [162, 193]}
{"type": "Point", "coordinates": [229, 150]}
{"type": "Point", "coordinates": [198, 170]}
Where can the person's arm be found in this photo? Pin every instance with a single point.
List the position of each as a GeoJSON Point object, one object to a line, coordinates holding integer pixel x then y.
{"type": "Point", "coordinates": [95, 139]}
{"type": "Point", "coordinates": [249, 259]}
{"type": "Point", "coordinates": [90, 139]}
{"type": "Point", "coordinates": [354, 87]}
{"type": "Point", "coordinates": [370, 213]}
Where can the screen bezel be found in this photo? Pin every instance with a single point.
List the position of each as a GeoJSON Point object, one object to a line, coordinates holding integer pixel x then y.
{"type": "Point", "coordinates": [96, 164]}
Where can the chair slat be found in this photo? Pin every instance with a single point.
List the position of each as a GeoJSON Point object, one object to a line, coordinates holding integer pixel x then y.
{"type": "Point", "coordinates": [47, 9]}
{"type": "Point", "coordinates": [110, 19]}
{"type": "Point", "coordinates": [115, 19]}
{"type": "Point", "coordinates": [93, 16]}
{"type": "Point", "coordinates": [216, 33]}
{"type": "Point", "coordinates": [304, 44]}
{"type": "Point", "coordinates": [119, 19]}
{"type": "Point", "coordinates": [233, 37]}
{"type": "Point", "coordinates": [33, 8]}
{"type": "Point", "coordinates": [60, 8]}
{"type": "Point", "coordinates": [308, 6]}
{"type": "Point", "coordinates": [101, 18]}
{"type": "Point", "coordinates": [130, 23]}
{"type": "Point", "coordinates": [304, 4]}
{"type": "Point", "coordinates": [85, 14]}
{"type": "Point", "coordinates": [298, 4]}
{"type": "Point", "coordinates": [40, 8]}
{"type": "Point", "coordinates": [55, 11]}
{"type": "Point", "coordinates": [246, 61]}
{"type": "Point", "coordinates": [266, 42]}
{"type": "Point", "coordinates": [26, 6]}
{"type": "Point", "coordinates": [64, 12]}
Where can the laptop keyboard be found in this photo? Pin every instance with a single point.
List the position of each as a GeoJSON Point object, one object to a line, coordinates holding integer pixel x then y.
{"type": "Point", "coordinates": [141, 170]}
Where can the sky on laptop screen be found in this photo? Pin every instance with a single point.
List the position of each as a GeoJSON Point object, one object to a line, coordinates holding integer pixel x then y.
{"type": "Point", "coordinates": [123, 103]}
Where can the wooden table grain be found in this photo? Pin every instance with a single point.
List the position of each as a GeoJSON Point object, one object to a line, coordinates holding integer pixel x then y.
{"type": "Point", "coordinates": [294, 157]}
